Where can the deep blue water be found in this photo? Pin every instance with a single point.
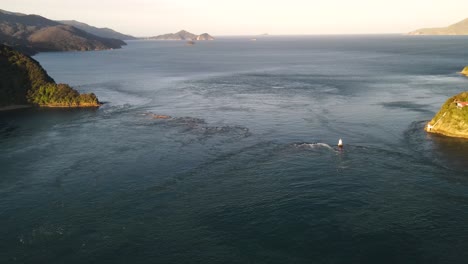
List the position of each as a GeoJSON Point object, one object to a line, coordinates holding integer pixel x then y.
{"type": "Point", "coordinates": [246, 170]}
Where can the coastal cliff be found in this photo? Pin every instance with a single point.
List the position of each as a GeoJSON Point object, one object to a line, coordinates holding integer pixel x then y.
{"type": "Point", "coordinates": [452, 119]}
{"type": "Point", "coordinates": [24, 82]}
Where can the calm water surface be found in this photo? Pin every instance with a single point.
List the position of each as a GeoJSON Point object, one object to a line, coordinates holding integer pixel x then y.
{"type": "Point", "coordinates": [246, 171]}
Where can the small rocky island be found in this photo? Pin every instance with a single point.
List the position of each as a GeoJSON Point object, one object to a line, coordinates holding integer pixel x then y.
{"type": "Point", "coordinates": [23, 82]}
{"type": "Point", "coordinates": [452, 119]}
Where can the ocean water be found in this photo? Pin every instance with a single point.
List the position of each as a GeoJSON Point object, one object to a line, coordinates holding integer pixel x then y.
{"type": "Point", "coordinates": [246, 170]}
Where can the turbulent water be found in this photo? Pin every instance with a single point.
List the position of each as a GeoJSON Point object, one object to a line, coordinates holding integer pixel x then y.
{"type": "Point", "coordinates": [246, 169]}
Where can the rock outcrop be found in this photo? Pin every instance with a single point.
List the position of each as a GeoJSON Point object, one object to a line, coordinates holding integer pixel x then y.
{"type": "Point", "coordinates": [452, 119]}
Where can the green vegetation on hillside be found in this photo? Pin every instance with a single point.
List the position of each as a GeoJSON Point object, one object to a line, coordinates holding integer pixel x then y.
{"type": "Point", "coordinates": [60, 95]}
{"type": "Point", "coordinates": [19, 74]}
{"type": "Point", "coordinates": [24, 81]}
{"type": "Point", "coordinates": [451, 120]}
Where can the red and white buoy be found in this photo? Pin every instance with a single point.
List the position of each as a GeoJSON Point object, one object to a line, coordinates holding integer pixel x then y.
{"type": "Point", "coordinates": [340, 143]}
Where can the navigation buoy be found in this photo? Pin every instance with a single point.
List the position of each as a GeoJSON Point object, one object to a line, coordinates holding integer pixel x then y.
{"type": "Point", "coordinates": [340, 143]}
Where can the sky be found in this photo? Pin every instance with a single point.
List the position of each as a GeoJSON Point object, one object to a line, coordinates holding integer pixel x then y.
{"type": "Point", "coordinates": [250, 17]}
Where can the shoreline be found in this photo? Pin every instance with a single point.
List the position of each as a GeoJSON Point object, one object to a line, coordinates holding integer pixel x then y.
{"type": "Point", "coordinates": [17, 107]}
{"type": "Point", "coordinates": [14, 107]}
{"type": "Point", "coordinates": [445, 134]}
{"type": "Point", "coordinates": [66, 106]}
{"type": "Point", "coordinates": [449, 135]}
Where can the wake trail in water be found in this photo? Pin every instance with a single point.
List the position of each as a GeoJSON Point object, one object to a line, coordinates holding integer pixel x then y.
{"type": "Point", "coordinates": [314, 146]}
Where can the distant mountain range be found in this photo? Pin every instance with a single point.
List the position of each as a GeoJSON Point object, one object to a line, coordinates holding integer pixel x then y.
{"type": "Point", "coordinates": [101, 32]}
{"type": "Point", "coordinates": [33, 33]}
{"type": "Point", "coordinates": [183, 35]}
{"type": "Point", "coordinates": [460, 28]}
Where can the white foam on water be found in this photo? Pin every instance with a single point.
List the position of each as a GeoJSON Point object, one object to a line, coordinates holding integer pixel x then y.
{"type": "Point", "coordinates": [315, 146]}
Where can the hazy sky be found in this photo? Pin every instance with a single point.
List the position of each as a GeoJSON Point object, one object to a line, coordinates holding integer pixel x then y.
{"type": "Point", "coordinates": [244, 17]}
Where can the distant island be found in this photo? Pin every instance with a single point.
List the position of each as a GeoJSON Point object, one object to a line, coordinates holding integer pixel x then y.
{"type": "Point", "coordinates": [452, 119]}
{"type": "Point", "coordinates": [183, 35]}
{"type": "Point", "coordinates": [32, 33]}
{"type": "Point", "coordinates": [24, 82]}
{"type": "Point", "coordinates": [460, 28]}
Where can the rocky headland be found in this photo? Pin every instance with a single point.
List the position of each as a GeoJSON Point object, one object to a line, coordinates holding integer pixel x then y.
{"type": "Point", "coordinates": [452, 119]}
{"type": "Point", "coordinates": [23, 82]}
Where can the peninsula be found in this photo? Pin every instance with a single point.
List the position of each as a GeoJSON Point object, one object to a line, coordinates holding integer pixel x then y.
{"type": "Point", "coordinates": [183, 35]}
{"type": "Point", "coordinates": [24, 82]}
{"type": "Point", "coordinates": [460, 28]}
{"type": "Point", "coordinates": [452, 119]}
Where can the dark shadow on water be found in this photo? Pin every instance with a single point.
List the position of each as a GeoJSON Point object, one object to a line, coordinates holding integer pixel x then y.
{"type": "Point", "coordinates": [407, 105]}
{"type": "Point", "coordinates": [447, 153]}
{"type": "Point", "coordinates": [35, 111]}
{"type": "Point", "coordinates": [452, 150]}
{"type": "Point", "coordinates": [389, 247]}
{"type": "Point", "coordinates": [12, 123]}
